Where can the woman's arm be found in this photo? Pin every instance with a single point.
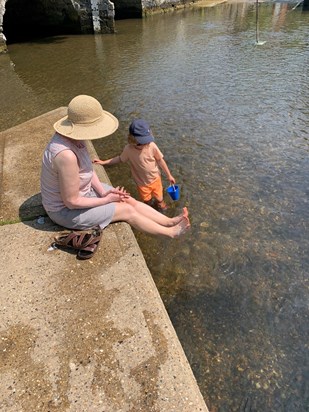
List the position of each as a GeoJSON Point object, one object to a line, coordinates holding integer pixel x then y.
{"type": "Point", "coordinates": [96, 185]}
{"type": "Point", "coordinates": [68, 170]}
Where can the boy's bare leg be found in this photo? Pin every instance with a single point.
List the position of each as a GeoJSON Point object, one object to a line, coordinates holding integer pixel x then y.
{"type": "Point", "coordinates": [162, 205]}
{"type": "Point", "coordinates": [148, 202]}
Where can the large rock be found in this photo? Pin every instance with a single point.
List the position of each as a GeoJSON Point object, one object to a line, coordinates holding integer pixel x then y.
{"type": "Point", "coordinates": [20, 20]}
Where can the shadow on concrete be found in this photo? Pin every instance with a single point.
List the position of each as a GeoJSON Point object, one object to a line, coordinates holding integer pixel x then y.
{"type": "Point", "coordinates": [32, 213]}
{"type": "Point", "coordinates": [31, 208]}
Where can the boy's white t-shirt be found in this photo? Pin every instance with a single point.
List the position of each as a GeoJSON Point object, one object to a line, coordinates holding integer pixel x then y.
{"type": "Point", "coordinates": [143, 162]}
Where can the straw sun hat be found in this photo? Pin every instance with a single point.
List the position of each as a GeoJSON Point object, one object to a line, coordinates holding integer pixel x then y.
{"type": "Point", "coordinates": [86, 120]}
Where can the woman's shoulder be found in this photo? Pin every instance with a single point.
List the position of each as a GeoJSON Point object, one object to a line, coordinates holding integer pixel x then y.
{"type": "Point", "coordinates": [74, 145]}
{"type": "Point", "coordinates": [59, 144]}
{"type": "Point", "coordinates": [58, 140]}
{"type": "Point", "coordinates": [56, 143]}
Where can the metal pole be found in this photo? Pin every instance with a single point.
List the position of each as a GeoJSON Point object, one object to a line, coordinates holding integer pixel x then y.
{"type": "Point", "coordinates": [257, 34]}
{"type": "Point", "coordinates": [257, 21]}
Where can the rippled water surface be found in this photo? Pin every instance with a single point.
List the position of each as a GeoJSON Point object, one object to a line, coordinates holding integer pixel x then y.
{"type": "Point", "coordinates": [232, 120]}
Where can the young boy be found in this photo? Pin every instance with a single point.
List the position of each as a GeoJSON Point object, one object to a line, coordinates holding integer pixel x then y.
{"type": "Point", "coordinates": [145, 160]}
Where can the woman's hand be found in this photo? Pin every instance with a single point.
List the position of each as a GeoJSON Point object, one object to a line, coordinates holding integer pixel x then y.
{"type": "Point", "coordinates": [117, 194]}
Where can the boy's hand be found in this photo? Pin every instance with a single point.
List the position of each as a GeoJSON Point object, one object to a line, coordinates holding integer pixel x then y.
{"type": "Point", "coordinates": [172, 180]}
{"type": "Point", "coordinates": [107, 162]}
{"type": "Point", "coordinates": [98, 161]}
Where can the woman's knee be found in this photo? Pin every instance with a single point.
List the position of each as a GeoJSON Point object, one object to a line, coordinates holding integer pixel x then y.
{"type": "Point", "coordinates": [124, 211]}
{"type": "Point", "coordinates": [131, 201]}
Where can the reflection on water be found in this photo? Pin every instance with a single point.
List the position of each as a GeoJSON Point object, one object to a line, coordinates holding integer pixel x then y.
{"type": "Point", "coordinates": [232, 121]}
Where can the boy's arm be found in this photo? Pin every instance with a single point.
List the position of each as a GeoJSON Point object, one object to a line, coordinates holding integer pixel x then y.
{"type": "Point", "coordinates": [164, 167]}
{"type": "Point", "coordinates": [107, 162]}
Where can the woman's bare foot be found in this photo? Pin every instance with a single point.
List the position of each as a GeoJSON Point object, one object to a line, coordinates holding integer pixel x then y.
{"type": "Point", "coordinates": [186, 214]}
{"type": "Point", "coordinates": [183, 216]}
{"type": "Point", "coordinates": [181, 228]}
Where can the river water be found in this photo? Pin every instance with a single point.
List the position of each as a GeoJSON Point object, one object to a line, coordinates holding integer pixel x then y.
{"type": "Point", "coordinates": [232, 119]}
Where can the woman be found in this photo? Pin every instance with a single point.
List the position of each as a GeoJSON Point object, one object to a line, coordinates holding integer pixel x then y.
{"type": "Point", "coordinates": [72, 193]}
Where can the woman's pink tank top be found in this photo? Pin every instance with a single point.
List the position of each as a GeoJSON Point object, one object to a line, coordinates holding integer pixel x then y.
{"type": "Point", "coordinates": [50, 188]}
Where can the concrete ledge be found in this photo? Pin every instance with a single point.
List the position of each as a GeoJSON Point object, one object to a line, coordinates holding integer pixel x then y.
{"type": "Point", "coordinates": [21, 149]}
{"type": "Point", "coordinates": [79, 335]}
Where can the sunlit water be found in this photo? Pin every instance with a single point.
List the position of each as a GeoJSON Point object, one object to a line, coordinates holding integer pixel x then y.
{"type": "Point", "coordinates": [232, 120]}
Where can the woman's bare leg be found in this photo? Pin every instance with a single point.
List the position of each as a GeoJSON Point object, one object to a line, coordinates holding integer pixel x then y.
{"type": "Point", "coordinates": [154, 215]}
{"type": "Point", "coordinates": [126, 212]}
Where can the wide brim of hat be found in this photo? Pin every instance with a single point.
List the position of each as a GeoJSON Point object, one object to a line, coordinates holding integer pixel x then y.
{"type": "Point", "coordinates": [106, 125]}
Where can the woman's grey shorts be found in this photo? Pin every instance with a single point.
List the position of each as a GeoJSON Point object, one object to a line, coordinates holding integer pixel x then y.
{"type": "Point", "coordinates": [82, 219]}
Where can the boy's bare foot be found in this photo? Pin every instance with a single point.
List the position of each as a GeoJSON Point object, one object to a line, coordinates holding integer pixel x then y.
{"type": "Point", "coordinates": [162, 206]}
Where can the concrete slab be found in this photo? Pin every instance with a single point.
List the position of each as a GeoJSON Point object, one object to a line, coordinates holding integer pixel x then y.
{"type": "Point", "coordinates": [22, 149]}
{"type": "Point", "coordinates": [79, 335]}
{"type": "Point", "coordinates": [208, 3]}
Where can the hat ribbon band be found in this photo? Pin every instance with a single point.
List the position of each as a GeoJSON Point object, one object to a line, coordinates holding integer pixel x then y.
{"type": "Point", "coordinates": [88, 121]}
{"type": "Point", "coordinates": [82, 123]}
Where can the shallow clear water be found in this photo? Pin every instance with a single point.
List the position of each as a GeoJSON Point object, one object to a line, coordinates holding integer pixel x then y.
{"type": "Point", "coordinates": [232, 120]}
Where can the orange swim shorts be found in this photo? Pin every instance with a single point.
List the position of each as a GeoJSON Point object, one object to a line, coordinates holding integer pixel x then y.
{"type": "Point", "coordinates": [154, 189]}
